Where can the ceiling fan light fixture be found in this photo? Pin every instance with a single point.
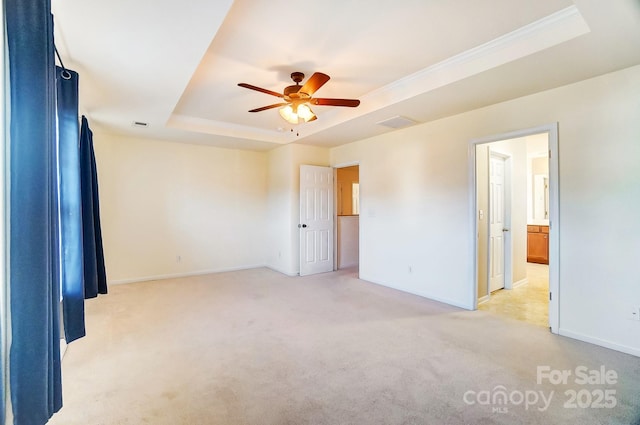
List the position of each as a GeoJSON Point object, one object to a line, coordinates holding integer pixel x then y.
{"type": "Point", "coordinates": [289, 115]}
{"type": "Point", "coordinates": [294, 113]}
{"type": "Point", "coordinates": [306, 113]}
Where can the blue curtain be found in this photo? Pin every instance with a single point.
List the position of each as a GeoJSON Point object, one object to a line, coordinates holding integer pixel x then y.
{"type": "Point", "coordinates": [70, 204]}
{"type": "Point", "coordinates": [95, 279]}
{"type": "Point", "coordinates": [33, 243]}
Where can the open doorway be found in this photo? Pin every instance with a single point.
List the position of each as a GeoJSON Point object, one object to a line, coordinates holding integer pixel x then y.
{"type": "Point", "coordinates": [515, 203]}
{"type": "Point", "coordinates": [347, 217]}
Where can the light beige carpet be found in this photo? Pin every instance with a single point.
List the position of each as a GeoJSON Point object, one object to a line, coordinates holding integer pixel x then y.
{"type": "Point", "coordinates": [257, 347]}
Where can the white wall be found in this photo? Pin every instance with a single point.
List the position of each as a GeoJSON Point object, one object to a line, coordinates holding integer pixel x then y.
{"type": "Point", "coordinates": [161, 201]}
{"type": "Point", "coordinates": [482, 223]}
{"type": "Point", "coordinates": [216, 209]}
{"type": "Point", "coordinates": [348, 241]}
{"type": "Point", "coordinates": [413, 211]}
{"type": "Point", "coordinates": [279, 211]}
{"type": "Point", "coordinates": [416, 218]}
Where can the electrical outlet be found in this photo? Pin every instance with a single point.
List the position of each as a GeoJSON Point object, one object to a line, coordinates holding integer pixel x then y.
{"type": "Point", "coordinates": [634, 313]}
{"type": "Point", "coordinates": [178, 259]}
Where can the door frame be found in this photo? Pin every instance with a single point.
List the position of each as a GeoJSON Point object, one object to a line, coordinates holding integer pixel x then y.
{"type": "Point", "coordinates": [335, 211]}
{"type": "Point", "coordinates": [554, 216]}
{"type": "Point", "coordinates": [508, 247]}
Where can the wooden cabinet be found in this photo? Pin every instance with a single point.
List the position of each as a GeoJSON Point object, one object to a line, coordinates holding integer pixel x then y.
{"type": "Point", "coordinates": [538, 244]}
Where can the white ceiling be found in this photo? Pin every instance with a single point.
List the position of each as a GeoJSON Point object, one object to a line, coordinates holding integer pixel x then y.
{"type": "Point", "coordinates": [176, 65]}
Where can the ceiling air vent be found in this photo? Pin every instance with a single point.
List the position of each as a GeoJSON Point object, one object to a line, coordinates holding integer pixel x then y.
{"type": "Point", "coordinates": [140, 124]}
{"type": "Point", "coordinates": [397, 122]}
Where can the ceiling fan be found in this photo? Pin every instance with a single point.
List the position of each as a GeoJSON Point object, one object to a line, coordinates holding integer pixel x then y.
{"type": "Point", "coordinates": [297, 98]}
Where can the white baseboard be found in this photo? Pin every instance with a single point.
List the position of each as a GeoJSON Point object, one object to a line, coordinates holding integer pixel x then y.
{"type": "Point", "coordinates": [421, 294]}
{"type": "Point", "coordinates": [285, 272]}
{"type": "Point", "coordinates": [186, 274]}
{"type": "Point", "coordinates": [483, 300]}
{"type": "Point", "coordinates": [601, 342]}
{"type": "Point", "coordinates": [519, 283]}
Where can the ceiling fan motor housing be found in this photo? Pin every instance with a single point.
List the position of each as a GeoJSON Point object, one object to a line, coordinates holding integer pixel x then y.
{"type": "Point", "coordinates": [292, 91]}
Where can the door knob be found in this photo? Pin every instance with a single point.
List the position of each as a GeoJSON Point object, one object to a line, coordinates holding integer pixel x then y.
{"type": "Point", "coordinates": [505, 230]}
{"type": "Point", "coordinates": [301, 225]}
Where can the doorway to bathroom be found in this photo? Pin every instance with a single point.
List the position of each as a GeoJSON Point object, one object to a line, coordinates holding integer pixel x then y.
{"type": "Point", "coordinates": [515, 205]}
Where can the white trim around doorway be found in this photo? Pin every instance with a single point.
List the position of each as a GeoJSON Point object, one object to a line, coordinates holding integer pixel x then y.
{"type": "Point", "coordinates": [554, 222]}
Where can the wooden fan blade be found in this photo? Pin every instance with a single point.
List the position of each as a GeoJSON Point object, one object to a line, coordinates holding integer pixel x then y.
{"type": "Point", "coordinates": [317, 80]}
{"type": "Point", "coordinates": [352, 103]}
{"type": "Point", "coordinates": [260, 89]}
{"type": "Point", "coordinates": [264, 108]}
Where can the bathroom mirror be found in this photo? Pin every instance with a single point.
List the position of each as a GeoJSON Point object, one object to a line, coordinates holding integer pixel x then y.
{"type": "Point", "coordinates": [540, 197]}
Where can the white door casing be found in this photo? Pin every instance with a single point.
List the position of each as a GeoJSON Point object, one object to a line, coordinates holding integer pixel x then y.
{"type": "Point", "coordinates": [316, 219]}
{"type": "Point", "coordinates": [496, 222]}
{"type": "Point", "coordinates": [554, 218]}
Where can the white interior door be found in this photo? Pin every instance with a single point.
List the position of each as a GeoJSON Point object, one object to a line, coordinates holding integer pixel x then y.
{"type": "Point", "coordinates": [316, 219]}
{"type": "Point", "coordinates": [496, 222]}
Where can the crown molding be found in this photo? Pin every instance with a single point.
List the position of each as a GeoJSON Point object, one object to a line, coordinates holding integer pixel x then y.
{"type": "Point", "coordinates": [550, 31]}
